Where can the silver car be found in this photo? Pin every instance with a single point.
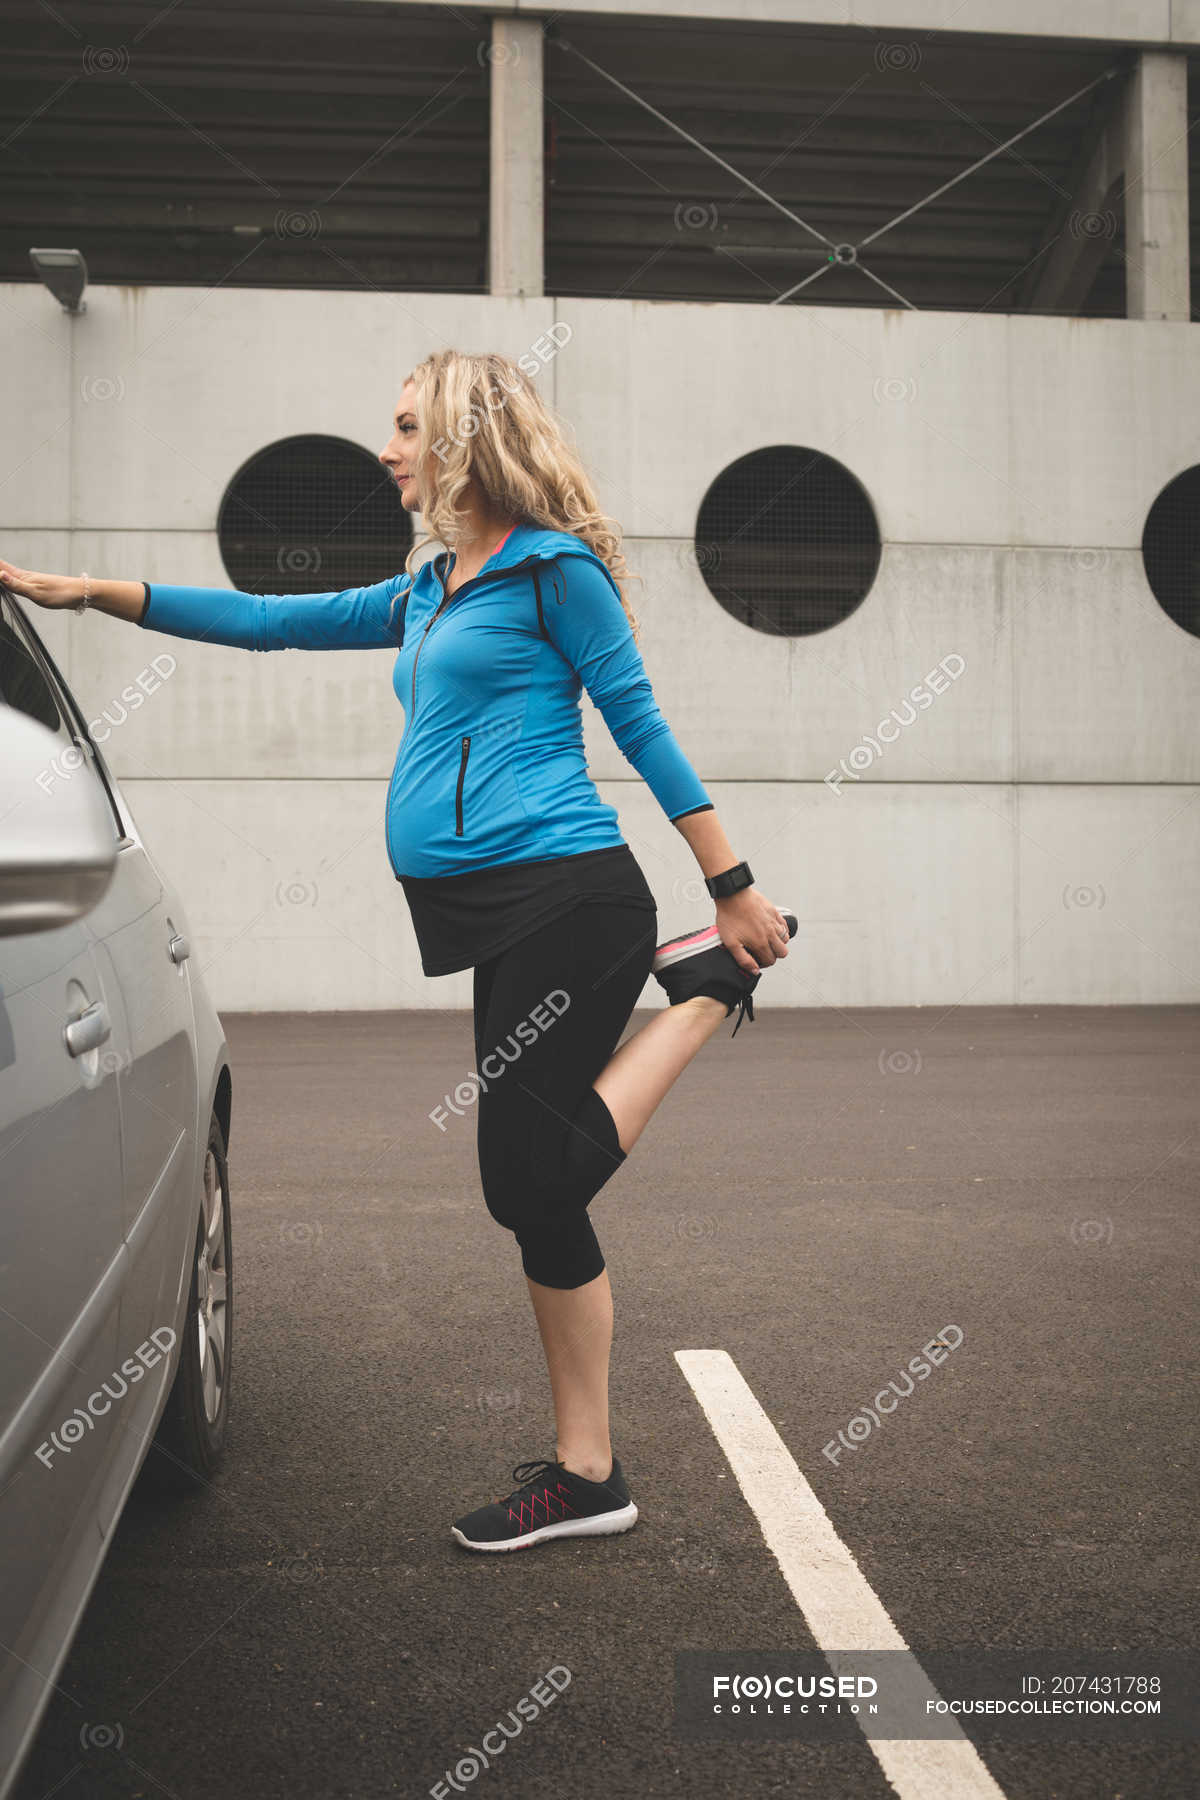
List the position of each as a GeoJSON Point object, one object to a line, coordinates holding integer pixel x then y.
{"type": "Point", "coordinates": [116, 1296]}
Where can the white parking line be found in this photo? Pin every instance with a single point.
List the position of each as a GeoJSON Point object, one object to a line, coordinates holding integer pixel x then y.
{"type": "Point", "coordinates": [839, 1605]}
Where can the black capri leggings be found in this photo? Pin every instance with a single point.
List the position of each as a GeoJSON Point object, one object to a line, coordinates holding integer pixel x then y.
{"type": "Point", "coordinates": [549, 1012]}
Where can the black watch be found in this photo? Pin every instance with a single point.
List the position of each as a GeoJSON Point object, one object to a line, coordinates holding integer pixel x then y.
{"type": "Point", "coordinates": [729, 881]}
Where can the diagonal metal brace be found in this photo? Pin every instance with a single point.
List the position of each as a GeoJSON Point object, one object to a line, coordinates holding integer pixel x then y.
{"type": "Point", "coordinates": [845, 255]}
{"type": "Point", "coordinates": [553, 38]}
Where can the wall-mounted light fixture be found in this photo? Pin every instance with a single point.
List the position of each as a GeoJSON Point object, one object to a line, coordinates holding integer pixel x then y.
{"type": "Point", "coordinates": [64, 272]}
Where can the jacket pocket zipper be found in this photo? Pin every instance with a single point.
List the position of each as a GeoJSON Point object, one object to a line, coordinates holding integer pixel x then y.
{"type": "Point", "coordinates": [458, 797]}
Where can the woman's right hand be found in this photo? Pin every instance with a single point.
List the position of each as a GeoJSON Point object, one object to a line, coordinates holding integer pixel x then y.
{"type": "Point", "coordinates": [43, 590]}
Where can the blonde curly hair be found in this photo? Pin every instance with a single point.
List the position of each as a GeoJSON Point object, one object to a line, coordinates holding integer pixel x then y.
{"type": "Point", "coordinates": [481, 415]}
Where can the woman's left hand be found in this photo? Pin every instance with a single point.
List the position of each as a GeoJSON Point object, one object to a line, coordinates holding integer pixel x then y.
{"type": "Point", "coordinates": [752, 930]}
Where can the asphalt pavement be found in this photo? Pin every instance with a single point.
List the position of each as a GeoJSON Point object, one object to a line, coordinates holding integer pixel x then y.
{"type": "Point", "coordinates": [817, 1200]}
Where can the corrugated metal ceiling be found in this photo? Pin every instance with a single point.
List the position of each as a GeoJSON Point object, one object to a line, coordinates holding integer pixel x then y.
{"type": "Point", "coordinates": [346, 146]}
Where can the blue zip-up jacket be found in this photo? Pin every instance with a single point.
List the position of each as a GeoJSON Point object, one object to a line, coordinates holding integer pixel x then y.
{"type": "Point", "coordinates": [491, 766]}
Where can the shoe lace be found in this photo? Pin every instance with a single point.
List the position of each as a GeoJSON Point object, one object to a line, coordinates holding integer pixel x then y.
{"type": "Point", "coordinates": [745, 1009]}
{"type": "Point", "coordinates": [529, 1474]}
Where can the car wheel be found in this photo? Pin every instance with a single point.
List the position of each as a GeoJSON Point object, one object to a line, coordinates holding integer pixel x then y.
{"type": "Point", "coordinates": [190, 1439]}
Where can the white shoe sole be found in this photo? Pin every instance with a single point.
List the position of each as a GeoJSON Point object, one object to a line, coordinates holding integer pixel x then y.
{"type": "Point", "coordinates": [603, 1525]}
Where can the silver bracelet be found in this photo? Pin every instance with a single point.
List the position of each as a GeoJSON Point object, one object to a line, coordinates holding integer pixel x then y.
{"type": "Point", "coordinates": [80, 605]}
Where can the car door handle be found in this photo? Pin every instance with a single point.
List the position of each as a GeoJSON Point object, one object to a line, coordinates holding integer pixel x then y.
{"type": "Point", "coordinates": [179, 948]}
{"type": "Point", "coordinates": [89, 1030]}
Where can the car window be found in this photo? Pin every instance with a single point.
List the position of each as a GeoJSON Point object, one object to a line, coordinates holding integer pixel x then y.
{"type": "Point", "coordinates": [22, 683]}
{"type": "Point", "coordinates": [25, 686]}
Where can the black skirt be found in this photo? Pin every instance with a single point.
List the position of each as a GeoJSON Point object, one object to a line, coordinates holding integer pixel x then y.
{"type": "Point", "coordinates": [461, 920]}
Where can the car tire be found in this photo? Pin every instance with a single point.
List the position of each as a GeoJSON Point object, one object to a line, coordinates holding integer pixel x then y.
{"type": "Point", "coordinates": [190, 1440]}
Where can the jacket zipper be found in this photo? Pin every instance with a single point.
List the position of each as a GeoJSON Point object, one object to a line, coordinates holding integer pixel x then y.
{"type": "Point", "coordinates": [458, 797]}
{"type": "Point", "coordinates": [490, 575]}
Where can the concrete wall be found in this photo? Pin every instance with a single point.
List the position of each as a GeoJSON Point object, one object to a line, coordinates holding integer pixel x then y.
{"type": "Point", "coordinates": [1033, 836]}
{"type": "Point", "coordinates": [1162, 22]}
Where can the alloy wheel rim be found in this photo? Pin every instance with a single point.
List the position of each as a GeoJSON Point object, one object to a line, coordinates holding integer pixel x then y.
{"type": "Point", "coordinates": [212, 1290]}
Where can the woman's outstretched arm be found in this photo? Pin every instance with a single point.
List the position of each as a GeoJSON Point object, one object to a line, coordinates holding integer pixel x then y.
{"type": "Point", "coordinates": [362, 618]}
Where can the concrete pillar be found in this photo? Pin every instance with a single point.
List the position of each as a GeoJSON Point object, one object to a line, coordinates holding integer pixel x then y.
{"type": "Point", "coordinates": [1156, 188]}
{"type": "Point", "coordinates": [515, 258]}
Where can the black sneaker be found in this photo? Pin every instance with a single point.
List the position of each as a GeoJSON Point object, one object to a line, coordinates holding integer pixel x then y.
{"type": "Point", "coordinates": [551, 1502]}
{"type": "Point", "coordinates": [699, 963]}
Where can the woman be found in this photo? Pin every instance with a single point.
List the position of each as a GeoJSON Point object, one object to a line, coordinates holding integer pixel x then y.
{"type": "Point", "coordinates": [510, 862]}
